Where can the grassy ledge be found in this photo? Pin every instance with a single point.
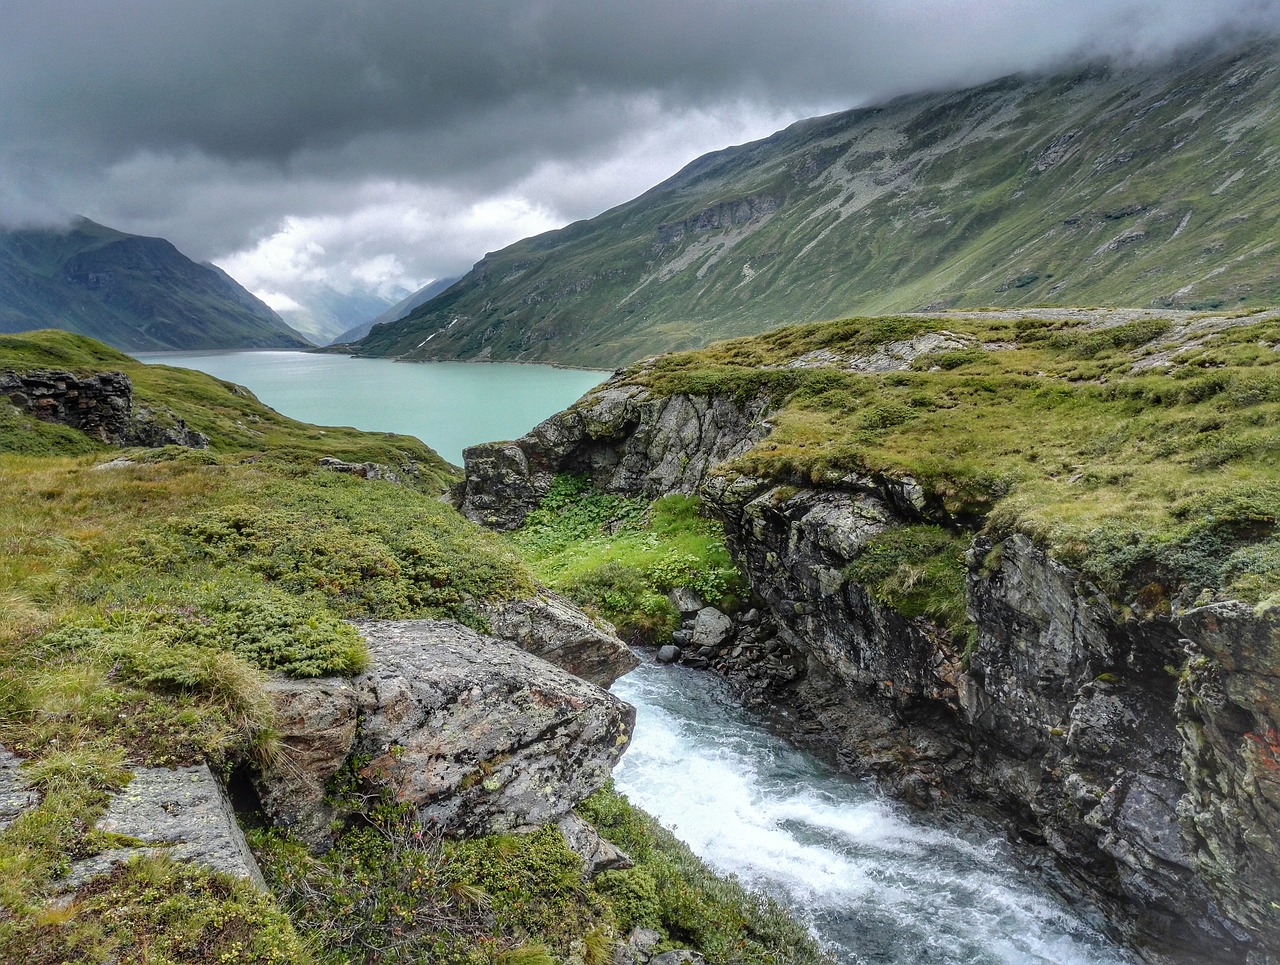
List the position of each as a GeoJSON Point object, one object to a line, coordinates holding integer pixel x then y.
{"type": "Point", "coordinates": [1139, 449]}
{"type": "Point", "coordinates": [618, 556]}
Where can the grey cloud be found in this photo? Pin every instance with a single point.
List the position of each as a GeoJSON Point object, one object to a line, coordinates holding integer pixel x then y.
{"type": "Point", "coordinates": [269, 79]}
{"type": "Point", "coordinates": [209, 122]}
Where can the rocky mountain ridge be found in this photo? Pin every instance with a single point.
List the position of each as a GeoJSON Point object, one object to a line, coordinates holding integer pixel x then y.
{"type": "Point", "coordinates": [1131, 730]}
{"type": "Point", "coordinates": [1154, 186]}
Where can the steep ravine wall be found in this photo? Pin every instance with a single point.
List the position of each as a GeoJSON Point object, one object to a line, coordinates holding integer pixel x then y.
{"type": "Point", "coordinates": [1142, 748]}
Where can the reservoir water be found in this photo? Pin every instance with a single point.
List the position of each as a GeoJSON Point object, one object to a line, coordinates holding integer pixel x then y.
{"type": "Point", "coordinates": [875, 882]}
{"type": "Point", "coordinates": [448, 405]}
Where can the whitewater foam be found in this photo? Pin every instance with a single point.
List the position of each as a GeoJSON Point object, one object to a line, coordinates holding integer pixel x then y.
{"type": "Point", "coordinates": [876, 883]}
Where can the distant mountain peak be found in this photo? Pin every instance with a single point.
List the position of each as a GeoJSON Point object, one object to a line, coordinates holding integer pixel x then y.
{"type": "Point", "coordinates": [134, 292]}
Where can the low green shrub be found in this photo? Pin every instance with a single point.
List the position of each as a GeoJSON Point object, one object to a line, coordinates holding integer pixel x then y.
{"type": "Point", "coordinates": [620, 556]}
{"type": "Point", "coordinates": [919, 571]}
{"type": "Point", "coordinates": [155, 911]}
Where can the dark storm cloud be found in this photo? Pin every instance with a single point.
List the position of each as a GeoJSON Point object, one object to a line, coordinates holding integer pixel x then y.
{"type": "Point", "coordinates": [212, 121]}
{"type": "Point", "coordinates": [268, 79]}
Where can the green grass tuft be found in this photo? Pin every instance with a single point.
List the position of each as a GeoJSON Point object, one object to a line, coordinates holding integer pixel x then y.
{"type": "Point", "coordinates": [619, 556]}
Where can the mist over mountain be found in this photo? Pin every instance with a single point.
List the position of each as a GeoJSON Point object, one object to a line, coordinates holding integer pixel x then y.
{"type": "Point", "coordinates": [1140, 186]}
{"type": "Point", "coordinates": [323, 313]}
{"type": "Point", "coordinates": [397, 311]}
{"type": "Point", "coordinates": [132, 292]}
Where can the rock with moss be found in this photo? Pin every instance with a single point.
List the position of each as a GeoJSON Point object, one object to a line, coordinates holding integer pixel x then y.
{"type": "Point", "coordinates": [99, 404]}
{"type": "Point", "coordinates": [15, 796]}
{"type": "Point", "coordinates": [182, 813]}
{"type": "Point", "coordinates": [623, 438]}
{"type": "Point", "coordinates": [472, 732]}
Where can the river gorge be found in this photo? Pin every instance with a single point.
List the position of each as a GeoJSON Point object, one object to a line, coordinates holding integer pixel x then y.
{"type": "Point", "coordinates": [875, 881]}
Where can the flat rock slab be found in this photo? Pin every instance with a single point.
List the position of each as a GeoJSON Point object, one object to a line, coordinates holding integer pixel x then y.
{"type": "Point", "coordinates": [14, 797]}
{"type": "Point", "coordinates": [183, 813]}
{"type": "Point", "coordinates": [551, 627]}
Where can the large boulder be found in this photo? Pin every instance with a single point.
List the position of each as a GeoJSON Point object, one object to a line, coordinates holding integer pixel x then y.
{"type": "Point", "coordinates": [474, 733]}
{"type": "Point", "coordinates": [550, 627]}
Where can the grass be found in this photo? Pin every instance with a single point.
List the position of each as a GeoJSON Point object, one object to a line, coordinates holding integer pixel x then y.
{"type": "Point", "coordinates": [154, 911]}
{"type": "Point", "coordinates": [1131, 474]}
{"type": "Point", "coordinates": [141, 607]}
{"type": "Point", "coordinates": [143, 604]}
{"type": "Point", "coordinates": [619, 557]}
{"type": "Point", "coordinates": [397, 891]}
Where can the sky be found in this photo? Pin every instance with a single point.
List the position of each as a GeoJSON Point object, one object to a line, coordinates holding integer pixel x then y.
{"type": "Point", "coordinates": [381, 144]}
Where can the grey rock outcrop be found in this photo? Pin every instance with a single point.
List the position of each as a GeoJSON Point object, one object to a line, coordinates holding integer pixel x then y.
{"type": "Point", "coordinates": [620, 436]}
{"type": "Point", "coordinates": [474, 733]}
{"type": "Point", "coordinates": [182, 813]}
{"type": "Point", "coordinates": [98, 405]}
{"type": "Point", "coordinates": [638, 947]}
{"type": "Point", "coordinates": [597, 854]}
{"type": "Point", "coordinates": [14, 795]}
{"type": "Point", "coordinates": [550, 627]}
{"type": "Point", "coordinates": [370, 470]}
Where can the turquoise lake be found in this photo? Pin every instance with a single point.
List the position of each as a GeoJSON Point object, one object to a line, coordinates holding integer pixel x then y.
{"type": "Point", "coordinates": [448, 405]}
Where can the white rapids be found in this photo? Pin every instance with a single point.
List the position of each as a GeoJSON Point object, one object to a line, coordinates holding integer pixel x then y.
{"type": "Point", "coordinates": [874, 882]}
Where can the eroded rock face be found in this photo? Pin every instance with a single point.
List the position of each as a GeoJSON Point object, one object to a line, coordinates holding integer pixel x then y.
{"type": "Point", "coordinates": [99, 405]}
{"type": "Point", "coordinates": [473, 732]}
{"type": "Point", "coordinates": [625, 440]}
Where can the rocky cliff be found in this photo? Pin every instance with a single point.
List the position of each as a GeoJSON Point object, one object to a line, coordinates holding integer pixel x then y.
{"type": "Point", "coordinates": [1133, 733]}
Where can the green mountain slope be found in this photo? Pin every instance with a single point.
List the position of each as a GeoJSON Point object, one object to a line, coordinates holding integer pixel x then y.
{"type": "Point", "coordinates": [133, 292]}
{"type": "Point", "coordinates": [1152, 187]}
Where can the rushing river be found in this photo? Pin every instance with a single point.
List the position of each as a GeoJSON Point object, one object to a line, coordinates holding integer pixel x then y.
{"type": "Point", "coordinates": [448, 405]}
{"type": "Point", "coordinates": [876, 883]}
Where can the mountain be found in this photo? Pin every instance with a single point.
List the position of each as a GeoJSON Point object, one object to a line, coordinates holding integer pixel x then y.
{"type": "Point", "coordinates": [1154, 186]}
{"type": "Point", "coordinates": [132, 292]}
{"type": "Point", "coordinates": [325, 314]}
{"type": "Point", "coordinates": [397, 311]}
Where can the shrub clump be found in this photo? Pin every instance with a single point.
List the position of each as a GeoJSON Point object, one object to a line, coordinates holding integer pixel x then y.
{"type": "Point", "coordinates": [920, 572]}
{"type": "Point", "coordinates": [620, 556]}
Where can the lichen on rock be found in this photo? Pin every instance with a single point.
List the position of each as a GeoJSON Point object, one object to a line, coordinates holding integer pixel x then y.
{"type": "Point", "coordinates": [471, 732]}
